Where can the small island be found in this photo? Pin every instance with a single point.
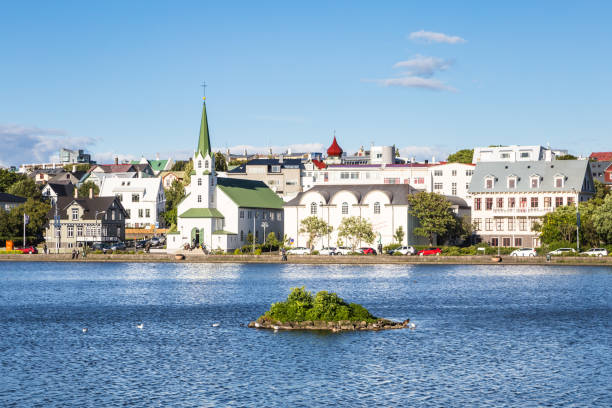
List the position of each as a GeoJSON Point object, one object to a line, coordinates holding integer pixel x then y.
{"type": "Point", "coordinates": [324, 311]}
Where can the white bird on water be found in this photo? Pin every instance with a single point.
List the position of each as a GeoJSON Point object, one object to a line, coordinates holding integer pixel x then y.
{"type": "Point", "coordinates": [275, 328]}
{"type": "Point", "coordinates": [84, 329]}
{"type": "Point", "coordinates": [140, 326]}
{"type": "Point", "coordinates": [412, 326]}
{"type": "Point", "coordinates": [216, 324]}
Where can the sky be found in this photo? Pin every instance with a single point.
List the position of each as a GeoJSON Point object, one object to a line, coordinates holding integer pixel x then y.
{"type": "Point", "coordinates": [124, 78]}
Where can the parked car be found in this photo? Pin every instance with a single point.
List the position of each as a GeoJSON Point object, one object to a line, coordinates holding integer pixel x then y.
{"type": "Point", "coordinates": [405, 250]}
{"type": "Point", "coordinates": [299, 251]}
{"type": "Point", "coordinates": [523, 252]}
{"type": "Point", "coordinates": [140, 244]}
{"type": "Point", "coordinates": [118, 246]}
{"type": "Point", "coordinates": [430, 251]}
{"type": "Point", "coordinates": [154, 241]}
{"type": "Point", "coordinates": [596, 252]}
{"type": "Point", "coordinates": [344, 250]}
{"type": "Point", "coordinates": [562, 251]}
{"type": "Point", "coordinates": [27, 250]}
{"type": "Point", "coordinates": [367, 251]}
{"type": "Point", "coordinates": [100, 246]}
{"type": "Point", "coordinates": [328, 251]}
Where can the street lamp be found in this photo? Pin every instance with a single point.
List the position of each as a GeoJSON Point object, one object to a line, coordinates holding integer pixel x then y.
{"type": "Point", "coordinates": [577, 221]}
{"type": "Point", "coordinates": [96, 221]}
{"type": "Point", "coordinates": [264, 224]}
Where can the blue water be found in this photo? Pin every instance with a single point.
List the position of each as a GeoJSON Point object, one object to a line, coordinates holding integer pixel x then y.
{"type": "Point", "coordinates": [486, 336]}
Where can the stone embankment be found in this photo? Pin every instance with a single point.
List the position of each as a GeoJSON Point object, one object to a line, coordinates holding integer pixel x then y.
{"type": "Point", "coordinates": [342, 325]}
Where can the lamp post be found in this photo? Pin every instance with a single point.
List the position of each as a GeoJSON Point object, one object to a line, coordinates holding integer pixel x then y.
{"type": "Point", "coordinates": [96, 221]}
{"type": "Point", "coordinates": [577, 222]}
{"type": "Point", "coordinates": [264, 224]}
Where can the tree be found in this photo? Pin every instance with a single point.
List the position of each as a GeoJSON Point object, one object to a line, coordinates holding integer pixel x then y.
{"type": "Point", "coordinates": [11, 222]}
{"type": "Point", "coordinates": [399, 235]}
{"type": "Point", "coordinates": [179, 165]}
{"type": "Point", "coordinates": [434, 214]}
{"type": "Point", "coordinates": [356, 230]}
{"type": "Point", "coordinates": [461, 156]}
{"type": "Point", "coordinates": [188, 169]}
{"type": "Point", "coordinates": [174, 195]}
{"type": "Point", "coordinates": [315, 228]}
{"type": "Point", "coordinates": [601, 191]}
{"type": "Point", "coordinates": [220, 163]}
{"type": "Point", "coordinates": [79, 167]}
{"type": "Point", "coordinates": [83, 191]}
{"type": "Point", "coordinates": [25, 188]}
{"type": "Point", "coordinates": [558, 225]}
{"type": "Point", "coordinates": [602, 220]}
{"type": "Point", "coordinates": [8, 178]}
{"type": "Point", "coordinates": [566, 157]}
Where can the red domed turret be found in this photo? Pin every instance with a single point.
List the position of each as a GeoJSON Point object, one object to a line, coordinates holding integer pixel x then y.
{"type": "Point", "coordinates": [334, 149]}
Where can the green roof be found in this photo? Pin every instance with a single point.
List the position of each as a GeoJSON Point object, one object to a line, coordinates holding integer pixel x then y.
{"type": "Point", "coordinates": [249, 193]}
{"type": "Point", "coordinates": [222, 232]}
{"type": "Point", "coordinates": [158, 165]}
{"type": "Point", "coordinates": [204, 138]}
{"type": "Point", "coordinates": [173, 233]}
{"type": "Point", "coordinates": [202, 213]}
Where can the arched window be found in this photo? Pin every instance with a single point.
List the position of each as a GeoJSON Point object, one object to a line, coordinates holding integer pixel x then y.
{"type": "Point", "coordinates": [377, 208]}
{"type": "Point", "coordinates": [344, 208]}
{"type": "Point", "coordinates": [199, 199]}
{"type": "Point", "coordinates": [199, 181]}
{"type": "Point", "coordinates": [206, 164]}
{"type": "Point", "coordinates": [199, 164]}
{"type": "Point", "coordinates": [313, 208]}
{"type": "Point", "coordinates": [241, 235]}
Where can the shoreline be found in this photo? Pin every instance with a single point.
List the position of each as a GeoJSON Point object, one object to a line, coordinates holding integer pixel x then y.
{"type": "Point", "coordinates": [311, 259]}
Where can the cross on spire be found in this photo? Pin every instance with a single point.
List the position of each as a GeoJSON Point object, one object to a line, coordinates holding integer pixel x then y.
{"type": "Point", "coordinates": [203, 89]}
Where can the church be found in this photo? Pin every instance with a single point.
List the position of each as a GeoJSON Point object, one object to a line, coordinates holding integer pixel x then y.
{"type": "Point", "coordinates": [221, 212]}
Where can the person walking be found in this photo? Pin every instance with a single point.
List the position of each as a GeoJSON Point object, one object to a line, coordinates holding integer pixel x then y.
{"type": "Point", "coordinates": [45, 248]}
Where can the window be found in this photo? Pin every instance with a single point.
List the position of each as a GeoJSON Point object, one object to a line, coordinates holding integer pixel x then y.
{"type": "Point", "coordinates": [512, 182]}
{"type": "Point", "coordinates": [250, 214]}
{"type": "Point", "coordinates": [467, 186]}
{"type": "Point", "coordinates": [70, 231]}
{"type": "Point", "coordinates": [477, 223]}
{"type": "Point", "coordinates": [489, 203]}
{"type": "Point", "coordinates": [241, 215]}
{"type": "Point", "coordinates": [558, 201]}
{"type": "Point", "coordinates": [438, 173]}
{"type": "Point", "coordinates": [489, 224]}
{"type": "Point", "coordinates": [419, 180]}
{"type": "Point", "coordinates": [135, 198]}
{"type": "Point", "coordinates": [75, 214]}
{"type": "Point", "coordinates": [547, 202]}
{"type": "Point", "coordinates": [454, 188]}
{"type": "Point", "coordinates": [518, 242]}
{"type": "Point", "coordinates": [469, 172]}
{"type": "Point", "coordinates": [454, 173]}
{"type": "Point", "coordinates": [344, 175]}
{"type": "Point", "coordinates": [505, 155]}
{"type": "Point", "coordinates": [377, 208]}
{"type": "Point", "coordinates": [241, 235]}
{"type": "Point", "coordinates": [510, 224]}
{"type": "Point", "coordinates": [112, 214]}
{"type": "Point", "coordinates": [534, 202]}
{"type": "Point", "coordinates": [524, 155]}
{"type": "Point", "coordinates": [438, 186]}
{"type": "Point", "coordinates": [129, 213]}
{"type": "Point", "coordinates": [559, 182]}
{"type": "Point", "coordinates": [523, 224]}
{"type": "Point", "coordinates": [313, 208]}
{"type": "Point", "coordinates": [147, 213]}
{"type": "Point", "coordinates": [389, 180]}
{"type": "Point", "coordinates": [119, 197]}
{"type": "Point", "coordinates": [478, 204]}
{"type": "Point", "coordinates": [489, 183]}
{"type": "Point", "coordinates": [199, 181]}
{"type": "Point", "coordinates": [354, 175]}
{"type": "Point", "coordinates": [79, 230]}
{"type": "Point", "coordinates": [506, 242]}
{"type": "Point", "coordinates": [140, 212]}
{"type": "Point", "coordinates": [279, 216]}
{"type": "Point", "coordinates": [494, 242]}
{"type": "Point", "coordinates": [499, 224]}
{"type": "Point", "coordinates": [570, 200]}
{"type": "Point", "coordinates": [276, 169]}
{"type": "Point", "coordinates": [500, 202]}
{"type": "Point", "coordinates": [535, 182]}
{"type": "Point", "coordinates": [344, 208]}
{"type": "Point", "coordinates": [199, 198]}
{"type": "Point", "coordinates": [523, 202]}
{"type": "Point", "coordinates": [199, 164]}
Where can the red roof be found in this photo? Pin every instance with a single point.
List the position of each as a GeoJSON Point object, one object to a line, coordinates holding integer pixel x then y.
{"type": "Point", "coordinates": [319, 164]}
{"type": "Point", "coordinates": [334, 149]}
{"type": "Point", "coordinates": [601, 156]}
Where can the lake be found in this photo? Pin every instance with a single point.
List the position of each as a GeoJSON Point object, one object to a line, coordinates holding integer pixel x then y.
{"type": "Point", "coordinates": [486, 336]}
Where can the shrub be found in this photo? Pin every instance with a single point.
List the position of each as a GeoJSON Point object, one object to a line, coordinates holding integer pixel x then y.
{"type": "Point", "coordinates": [315, 252]}
{"type": "Point", "coordinates": [237, 251]}
{"type": "Point", "coordinates": [390, 247]}
{"type": "Point", "coordinates": [9, 252]}
{"type": "Point", "coordinates": [258, 251]}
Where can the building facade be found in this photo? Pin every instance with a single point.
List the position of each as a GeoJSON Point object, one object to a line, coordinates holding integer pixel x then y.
{"type": "Point", "coordinates": [143, 199]}
{"type": "Point", "coordinates": [513, 153]}
{"type": "Point", "coordinates": [283, 176]}
{"type": "Point", "coordinates": [10, 201]}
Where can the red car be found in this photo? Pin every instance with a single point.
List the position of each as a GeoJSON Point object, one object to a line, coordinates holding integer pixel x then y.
{"type": "Point", "coordinates": [368, 251]}
{"type": "Point", "coordinates": [27, 250]}
{"type": "Point", "coordinates": [429, 251]}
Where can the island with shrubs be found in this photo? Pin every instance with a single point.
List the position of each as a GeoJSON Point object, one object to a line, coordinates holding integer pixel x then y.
{"type": "Point", "coordinates": [324, 311]}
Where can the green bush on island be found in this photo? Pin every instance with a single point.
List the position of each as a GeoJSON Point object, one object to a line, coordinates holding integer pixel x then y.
{"type": "Point", "coordinates": [301, 306]}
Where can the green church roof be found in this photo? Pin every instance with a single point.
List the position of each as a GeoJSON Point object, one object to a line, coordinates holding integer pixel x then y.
{"type": "Point", "coordinates": [249, 193]}
{"type": "Point", "coordinates": [204, 139]}
{"type": "Point", "coordinates": [202, 213]}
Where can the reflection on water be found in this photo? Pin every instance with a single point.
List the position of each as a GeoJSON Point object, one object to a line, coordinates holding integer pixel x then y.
{"type": "Point", "coordinates": [486, 335]}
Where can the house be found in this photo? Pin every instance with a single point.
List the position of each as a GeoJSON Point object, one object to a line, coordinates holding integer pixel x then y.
{"type": "Point", "coordinates": [75, 222]}
{"type": "Point", "coordinates": [54, 190]}
{"type": "Point", "coordinates": [9, 201]}
{"type": "Point", "coordinates": [281, 175]}
{"type": "Point", "coordinates": [68, 156]}
{"type": "Point", "coordinates": [42, 176]}
{"type": "Point", "coordinates": [599, 171]}
{"type": "Point", "coordinates": [65, 177]}
{"type": "Point", "coordinates": [601, 156]}
{"type": "Point", "coordinates": [143, 199]}
{"type": "Point", "coordinates": [451, 179]}
{"type": "Point", "coordinates": [509, 197]}
{"type": "Point", "coordinates": [514, 153]}
{"type": "Point", "coordinates": [385, 206]}
{"type": "Point", "coordinates": [157, 165]}
{"type": "Point", "coordinates": [220, 212]}
{"type": "Point", "coordinates": [169, 177]}
{"type": "Point", "coordinates": [101, 171]}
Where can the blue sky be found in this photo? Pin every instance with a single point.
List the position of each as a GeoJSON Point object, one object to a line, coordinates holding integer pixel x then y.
{"type": "Point", "coordinates": [123, 78]}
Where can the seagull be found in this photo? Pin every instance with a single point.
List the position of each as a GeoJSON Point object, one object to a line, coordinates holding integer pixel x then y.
{"type": "Point", "coordinates": [412, 326]}
{"type": "Point", "coordinates": [275, 328]}
{"type": "Point", "coordinates": [84, 329]}
{"type": "Point", "coordinates": [140, 326]}
{"type": "Point", "coordinates": [257, 325]}
{"type": "Point", "coordinates": [216, 324]}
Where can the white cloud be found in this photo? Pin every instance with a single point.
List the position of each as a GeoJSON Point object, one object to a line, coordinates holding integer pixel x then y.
{"type": "Point", "coordinates": [424, 152]}
{"type": "Point", "coordinates": [424, 66]}
{"type": "Point", "coordinates": [431, 37]}
{"type": "Point", "coordinates": [299, 147]}
{"type": "Point", "coordinates": [30, 144]}
{"type": "Point", "coordinates": [415, 82]}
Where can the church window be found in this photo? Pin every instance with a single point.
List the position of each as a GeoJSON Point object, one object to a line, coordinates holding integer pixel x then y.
{"type": "Point", "coordinates": [199, 199]}
{"type": "Point", "coordinates": [313, 208]}
{"type": "Point", "coordinates": [140, 212]}
{"type": "Point", "coordinates": [241, 215]}
{"type": "Point", "coordinates": [241, 235]}
{"type": "Point", "coordinates": [344, 208]}
{"type": "Point", "coordinates": [148, 212]}
{"type": "Point", "coordinates": [199, 181]}
{"type": "Point", "coordinates": [206, 164]}
{"type": "Point", "coordinates": [377, 208]}
{"type": "Point", "coordinates": [199, 164]}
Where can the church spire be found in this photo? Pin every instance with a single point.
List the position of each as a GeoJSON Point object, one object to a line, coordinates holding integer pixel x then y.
{"type": "Point", "coordinates": [204, 139]}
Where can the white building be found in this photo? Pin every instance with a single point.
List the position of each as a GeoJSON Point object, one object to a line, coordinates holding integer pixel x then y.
{"type": "Point", "coordinates": [513, 153]}
{"type": "Point", "coordinates": [221, 212]}
{"type": "Point", "coordinates": [143, 199]}
{"type": "Point", "coordinates": [451, 179]}
{"type": "Point", "coordinates": [385, 206]}
{"type": "Point", "coordinates": [508, 198]}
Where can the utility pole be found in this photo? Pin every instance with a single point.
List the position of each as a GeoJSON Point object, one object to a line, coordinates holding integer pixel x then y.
{"type": "Point", "coordinates": [26, 220]}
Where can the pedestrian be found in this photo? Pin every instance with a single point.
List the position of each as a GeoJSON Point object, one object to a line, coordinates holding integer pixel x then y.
{"type": "Point", "coordinates": [283, 255]}
{"type": "Point", "coordinates": [45, 249]}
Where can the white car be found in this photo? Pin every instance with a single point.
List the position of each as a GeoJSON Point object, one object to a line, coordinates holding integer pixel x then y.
{"type": "Point", "coordinates": [523, 252]}
{"type": "Point", "coordinates": [299, 251]}
{"type": "Point", "coordinates": [328, 251]}
{"type": "Point", "coordinates": [405, 250]}
{"type": "Point", "coordinates": [596, 252]}
{"type": "Point", "coordinates": [562, 251]}
{"type": "Point", "coordinates": [344, 250]}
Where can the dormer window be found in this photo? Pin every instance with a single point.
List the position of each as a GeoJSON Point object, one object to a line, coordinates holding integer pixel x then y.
{"type": "Point", "coordinates": [512, 182]}
{"type": "Point", "coordinates": [535, 181]}
{"type": "Point", "coordinates": [489, 181]}
{"type": "Point", "coordinates": [559, 181]}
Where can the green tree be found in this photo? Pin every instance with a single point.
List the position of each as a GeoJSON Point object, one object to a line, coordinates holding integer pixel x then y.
{"type": "Point", "coordinates": [79, 167]}
{"type": "Point", "coordinates": [315, 228]}
{"type": "Point", "coordinates": [356, 230]}
{"type": "Point", "coordinates": [558, 225]}
{"type": "Point", "coordinates": [434, 214]}
{"type": "Point", "coordinates": [188, 169]}
{"type": "Point", "coordinates": [602, 220]}
{"type": "Point", "coordinates": [174, 195]}
{"type": "Point", "coordinates": [179, 165]}
{"type": "Point", "coordinates": [399, 235]}
{"type": "Point", "coordinates": [566, 157]}
{"type": "Point", "coordinates": [83, 191]}
{"type": "Point", "coordinates": [25, 188]}
{"type": "Point", "coordinates": [11, 222]}
{"type": "Point", "coordinates": [601, 191]}
{"type": "Point", "coordinates": [8, 178]}
{"type": "Point", "coordinates": [220, 163]}
{"type": "Point", "coordinates": [461, 156]}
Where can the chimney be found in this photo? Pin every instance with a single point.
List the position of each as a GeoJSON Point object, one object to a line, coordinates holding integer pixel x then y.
{"type": "Point", "coordinates": [156, 156]}
{"type": "Point", "coordinates": [76, 192]}
{"type": "Point", "coordinates": [91, 193]}
{"type": "Point", "coordinates": [280, 158]}
{"type": "Point", "coordinates": [116, 159]}
{"type": "Point", "coordinates": [74, 168]}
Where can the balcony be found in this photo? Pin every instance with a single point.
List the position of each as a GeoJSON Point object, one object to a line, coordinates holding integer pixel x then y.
{"type": "Point", "coordinates": [518, 211]}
